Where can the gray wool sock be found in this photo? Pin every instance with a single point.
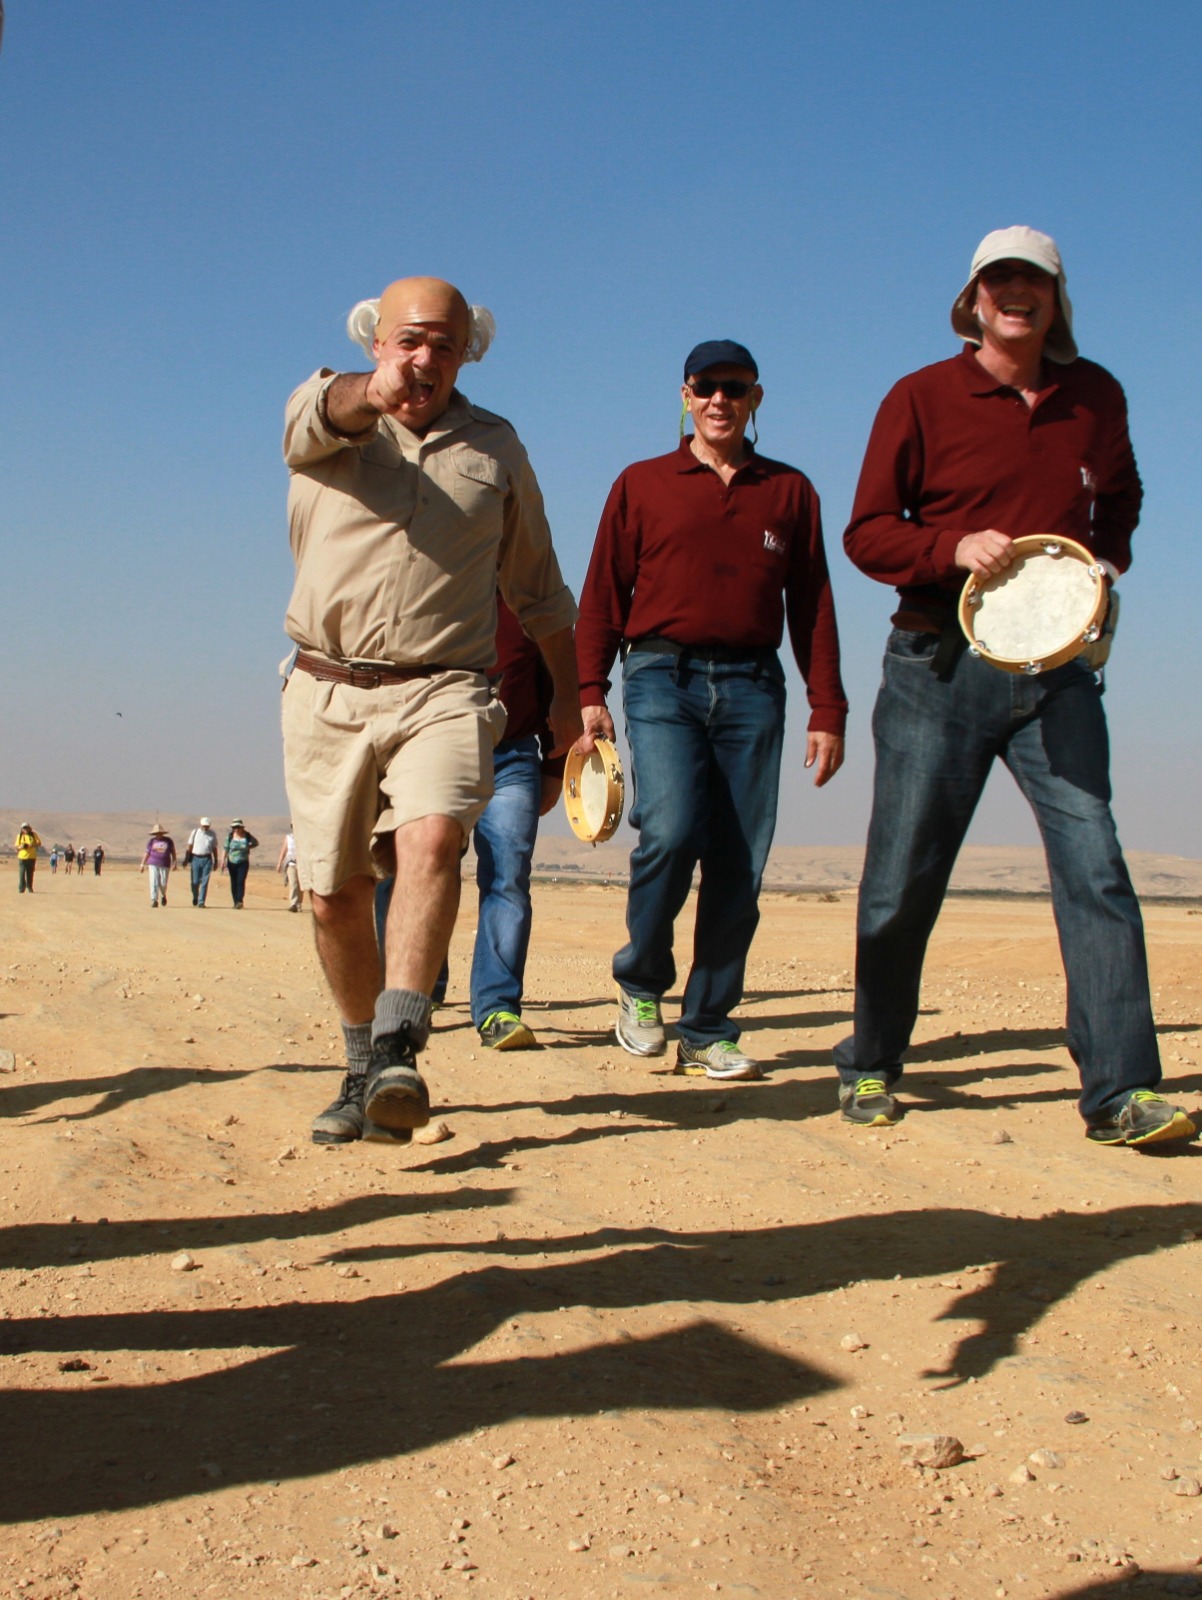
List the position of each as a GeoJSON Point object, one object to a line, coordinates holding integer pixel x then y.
{"type": "Point", "coordinates": [395, 1006]}
{"type": "Point", "coordinates": [358, 1047]}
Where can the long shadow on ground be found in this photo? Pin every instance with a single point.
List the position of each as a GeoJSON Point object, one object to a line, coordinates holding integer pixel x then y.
{"type": "Point", "coordinates": [322, 1386]}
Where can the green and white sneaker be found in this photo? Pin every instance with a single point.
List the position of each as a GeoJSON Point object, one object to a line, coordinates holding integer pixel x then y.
{"type": "Point", "coordinates": [1145, 1119]}
{"type": "Point", "coordinates": [505, 1030]}
{"type": "Point", "coordinates": [640, 1025]}
{"type": "Point", "coordinates": [721, 1060]}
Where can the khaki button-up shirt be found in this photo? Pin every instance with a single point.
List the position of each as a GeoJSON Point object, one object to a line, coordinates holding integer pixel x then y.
{"type": "Point", "coordinates": [401, 542]}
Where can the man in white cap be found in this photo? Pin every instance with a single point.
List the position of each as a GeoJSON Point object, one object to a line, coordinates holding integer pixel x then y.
{"type": "Point", "coordinates": [201, 855]}
{"type": "Point", "coordinates": [408, 508]}
{"type": "Point", "coordinates": [1016, 435]}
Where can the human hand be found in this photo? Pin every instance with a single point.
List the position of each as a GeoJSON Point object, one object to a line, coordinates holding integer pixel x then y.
{"type": "Point", "coordinates": [390, 385]}
{"type": "Point", "coordinates": [550, 789]}
{"type": "Point", "coordinates": [598, 724]}
{"type": "Point", "coordinates": [824, 752]}
{"type": "Point", "coordinates": [985, 554]}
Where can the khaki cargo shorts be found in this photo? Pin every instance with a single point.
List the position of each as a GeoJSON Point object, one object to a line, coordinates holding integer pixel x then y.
{"type": "Point", "coordinates": [359, 763]}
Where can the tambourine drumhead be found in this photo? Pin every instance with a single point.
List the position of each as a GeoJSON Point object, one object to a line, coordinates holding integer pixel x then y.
{"type": "Point", "coordinates": [1044, 609]}
{"type": "Point", "coordinates": [593, 792]}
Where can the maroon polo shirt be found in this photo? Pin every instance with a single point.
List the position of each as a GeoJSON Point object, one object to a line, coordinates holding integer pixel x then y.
{"type": "Point", "coordinates": [683, 556]}
{"type": "Point", "coordinates": [526, 686]}
{"type": "Point", "coordinates": [953, 451]}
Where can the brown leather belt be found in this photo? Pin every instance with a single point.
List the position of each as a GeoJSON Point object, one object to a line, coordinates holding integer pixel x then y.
{"type": "Point", "coordinates": [363, 677]}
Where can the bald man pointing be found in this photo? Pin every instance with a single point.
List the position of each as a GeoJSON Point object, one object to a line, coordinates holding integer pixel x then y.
{"type": "Point", "coordinates": [408, 507]}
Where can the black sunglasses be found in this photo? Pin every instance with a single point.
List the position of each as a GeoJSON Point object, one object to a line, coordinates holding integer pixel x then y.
{"type": "Point", "coordinates": [732, 388]}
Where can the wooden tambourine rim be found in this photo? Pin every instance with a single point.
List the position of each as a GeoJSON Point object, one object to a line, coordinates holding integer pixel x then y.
{"type": "Point", "coordinates": [615, 793]}
{"type": "Point", "coordinates": [1033, 544]}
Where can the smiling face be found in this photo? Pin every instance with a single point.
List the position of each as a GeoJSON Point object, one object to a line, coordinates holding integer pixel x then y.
{"type": "Point", "coordinates": [718, 420]}
{"type": "Point", "coordinates": [425, 323]}
{"type": "Point", "coordinates": [1015, 305]}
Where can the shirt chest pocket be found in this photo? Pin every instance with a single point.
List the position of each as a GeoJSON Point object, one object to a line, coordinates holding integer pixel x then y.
{"type": "Point", "coordinates": [477, 485]}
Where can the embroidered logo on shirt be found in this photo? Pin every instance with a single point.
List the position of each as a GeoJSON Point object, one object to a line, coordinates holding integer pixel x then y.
{"type": "Point", "coordinates": [773, 542]}
{"type": "Point", "coordinates": [1089, 480]}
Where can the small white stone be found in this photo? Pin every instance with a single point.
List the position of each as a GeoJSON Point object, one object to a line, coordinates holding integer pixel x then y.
{"type": "Point", "coordinates": [502, 1461]}
{"type": "Point", "coordinates": [184, 1262]}
{"type": "Point", "coordinates": [852, 1341]}
{"type": "Point", "coordinates": [1022, 1474]}
{"type": "Point", "coordinates": [432, 1133]}
{"type": "Point", "coordinates": [1045, 1458]}
{"type": "Point", "coordinates": [937, 1450]}
{"type": "Point", "coordinates": [1187, 1486]}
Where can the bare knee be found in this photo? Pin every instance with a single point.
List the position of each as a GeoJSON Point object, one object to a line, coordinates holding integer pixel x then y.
{"type": "Point", "coordinates": [430, 845]}
{"type": "Point", "coordinates": [345, 909]}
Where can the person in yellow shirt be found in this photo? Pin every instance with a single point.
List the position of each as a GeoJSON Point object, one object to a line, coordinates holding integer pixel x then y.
{"type": "Point", "coordinates": [27, 844]}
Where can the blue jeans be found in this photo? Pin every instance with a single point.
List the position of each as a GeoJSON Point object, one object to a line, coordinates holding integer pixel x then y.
{"type": "Point", "coordinates": [705, 743]}
{"type": "Point", "coordinates": [936, 740]}
{"type": "Point", "coordinates": [504, 840]}
{"type": "Point", "coordinates": [202, 868]}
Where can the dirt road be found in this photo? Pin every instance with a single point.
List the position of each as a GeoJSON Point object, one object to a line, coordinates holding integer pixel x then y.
{"type": "Point", "coordinates": [622, 1333]}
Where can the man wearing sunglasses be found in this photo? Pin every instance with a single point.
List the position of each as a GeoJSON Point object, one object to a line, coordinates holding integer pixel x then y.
{"type": "Point", "coordinates": [700, 559]}
{"type": "Point", "coordinates": [1016, 435]}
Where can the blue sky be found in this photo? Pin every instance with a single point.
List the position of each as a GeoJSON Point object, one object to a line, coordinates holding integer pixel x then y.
{"type": "Point", "coordinates": [193, 196]}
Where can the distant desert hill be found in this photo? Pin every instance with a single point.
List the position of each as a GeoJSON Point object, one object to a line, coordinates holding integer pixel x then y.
{"type": "Point", "coordinates": [982, 869]}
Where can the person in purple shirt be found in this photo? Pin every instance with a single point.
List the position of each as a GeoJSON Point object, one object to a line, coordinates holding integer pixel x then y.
{"type": "Point", "coordinates": [159, 859]}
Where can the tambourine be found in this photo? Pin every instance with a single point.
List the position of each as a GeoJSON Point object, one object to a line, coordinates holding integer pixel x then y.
{"type": "Point", "coordinates": [593, 792]}
{"type": "Point", "coordinates": [1046, 608]}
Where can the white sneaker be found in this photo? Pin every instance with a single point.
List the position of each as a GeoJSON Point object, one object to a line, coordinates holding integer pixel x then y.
{"type": "Point", "coordinates": [640, 1025]}
{"type": "Point", "coordinates": [721, 1060]}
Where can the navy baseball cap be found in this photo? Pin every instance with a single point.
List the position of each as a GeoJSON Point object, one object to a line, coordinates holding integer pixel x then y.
{"type": "Point", "coordinates": [719, 353]}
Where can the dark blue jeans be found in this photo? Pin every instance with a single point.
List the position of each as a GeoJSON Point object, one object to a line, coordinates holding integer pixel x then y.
{"type": "Point", "coordinates": [936, 741]}
{"type": "Point", "coordinates": [504, 840]}
{"type": "Point", "coordinates": [237, 871]}
{"type": "Point", "coordinates": [705, 742]}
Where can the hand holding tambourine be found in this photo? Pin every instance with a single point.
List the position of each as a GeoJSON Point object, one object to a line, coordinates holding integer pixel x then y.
{"type": "Point", "coordinates": [1047, 607]}
{"type": "Point", "coordinates": [594, 792]}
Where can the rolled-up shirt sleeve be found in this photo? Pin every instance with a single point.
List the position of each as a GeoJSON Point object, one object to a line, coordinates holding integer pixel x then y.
{"type": "Point", "coordinates": [308, 436]}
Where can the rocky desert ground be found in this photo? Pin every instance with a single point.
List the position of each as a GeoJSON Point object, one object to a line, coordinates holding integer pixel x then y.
{"type": "Point", "coordinates": [619, 1332]}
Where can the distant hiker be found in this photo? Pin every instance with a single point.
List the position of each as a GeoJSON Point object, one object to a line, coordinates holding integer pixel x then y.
{"type": "Point", "coordinates": [27, 844]}
{"type": "Point", "coordinates": [201, 854]}
{"type": "Point", "coordinates": [238, 846]}
{"type": "Point", "coordinates": [286, 864]}
{"type": "Point", "coordinates": [160, 858]}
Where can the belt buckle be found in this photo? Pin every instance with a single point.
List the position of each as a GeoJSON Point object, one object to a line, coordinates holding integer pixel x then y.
{"type": "Point", "coordinates": [364, 678]}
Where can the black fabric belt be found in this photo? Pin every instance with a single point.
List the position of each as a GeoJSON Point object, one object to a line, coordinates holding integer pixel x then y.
{"type": "Point", "coordinates": [653, 645]}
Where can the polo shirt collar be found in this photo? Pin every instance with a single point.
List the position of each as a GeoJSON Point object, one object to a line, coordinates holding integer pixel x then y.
{"type": "Point", "coordinates": [979, 381]}
{"type": "Point", "coordinates": [687, 462]}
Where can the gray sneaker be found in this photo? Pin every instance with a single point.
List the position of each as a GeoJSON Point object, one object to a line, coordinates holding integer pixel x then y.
{"type": "Point", "coordinates": [640, 1025]}
{"type": "Point", "coordinates": [343, 1121]}
{"type": "Point", "coordinates": [868, 1102]}
{"type": "Point", "coordinates": [721, 1060]}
